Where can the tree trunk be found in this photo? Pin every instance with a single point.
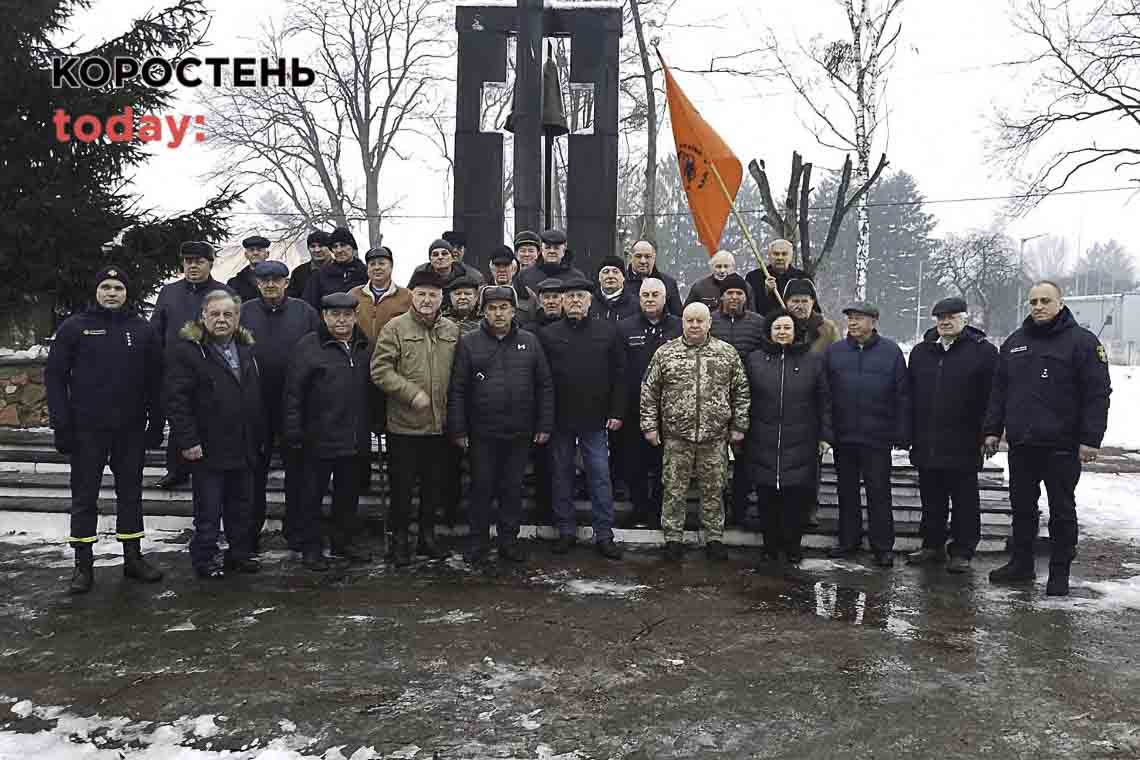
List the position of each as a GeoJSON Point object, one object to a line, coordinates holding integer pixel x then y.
{"type": "Point", "coordinates": [372, 209]}
{"type": "Point", "coordinates": [649, 197]}
{"type": "Point", "coordinates": [864, 96]}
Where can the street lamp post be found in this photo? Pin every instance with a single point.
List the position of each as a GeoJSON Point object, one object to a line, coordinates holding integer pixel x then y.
{"type": "Point", "coordinates": [1021, 277]}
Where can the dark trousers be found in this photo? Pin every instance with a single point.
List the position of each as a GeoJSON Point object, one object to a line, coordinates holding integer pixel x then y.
{"type": "Point", "coordinates": [1060, 471]}
{"type": "Point", "coordinates": [221, 501]}
{"type": "Point", "coordinates": [422, 459]}
{"type": "Point", "coordinates": [497, 468]}
{"type": "Point", "coordinates": [643, 474]}
{"type": "Point", "coordinates": [938, 489]}
{"type": "Point", "coordinates": [869, 467]}
{"type": "Point", "coordinates": [543, 484]}
{"type": "Point", "coordinates": [125, 450]}
{"type": "Point", "coordinates": [176, 466]}
{"type": "Point", "coordinates": [785, 513]}
{"type": "Point", "coordinates": [345, 474]}
{"type": "Point", "coordinates": [741, 488]}
{"type": "Point", "coordinates": [452, 475]}
{"type": "Point", "coordinates": [294, 463]}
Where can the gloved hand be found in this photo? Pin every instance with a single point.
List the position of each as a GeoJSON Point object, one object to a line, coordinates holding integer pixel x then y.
{"type": "Point", "coordinates": [154, 436]}
{"type": "Point", "coordinates": [64, 440]}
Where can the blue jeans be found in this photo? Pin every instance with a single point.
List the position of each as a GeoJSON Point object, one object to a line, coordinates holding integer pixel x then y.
{"type": "Point", "coordinates": [595, 457]}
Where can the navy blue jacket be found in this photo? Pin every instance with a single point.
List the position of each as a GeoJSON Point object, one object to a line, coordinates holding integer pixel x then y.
{"type": "Point", "coordinates": [613, 310]}
{"type": "Point", "coordinates": [104, 373]}
{"type": "Point", "coordinates": [334, 277]}
{"type": "Point", "coordinates": [1051, 386]}
{"type": "Point", "coordinates": [587, 364]}
{"type": "Point", "coordinates": [870, 394]}
{"type": "Point", "coordinates": [178, 303]}
{"type": "Point", "coordinates": [276, 330]}
{"type": "Point", "coordinates": [641, 338]}
{"type": "Point", "coordinates": [745, 332]}
{"type": "Point", "coordinates": [244, 284]}
{"type": "Point", "coordinates": [950, 391]}
{"type": "Point", "coordinates": [633, 282]}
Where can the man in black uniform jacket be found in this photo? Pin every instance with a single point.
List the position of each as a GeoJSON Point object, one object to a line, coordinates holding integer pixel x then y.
{"type": "Point", "coordinates": [1050, 396]}
{"type": "Point", "coordinates": [244, 283]}
{"type": "Point", "coordinates": [104, 378]}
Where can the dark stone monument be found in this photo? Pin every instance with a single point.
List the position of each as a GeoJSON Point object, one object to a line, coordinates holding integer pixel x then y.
{"type": "Point", "coordinates": [591, 187]}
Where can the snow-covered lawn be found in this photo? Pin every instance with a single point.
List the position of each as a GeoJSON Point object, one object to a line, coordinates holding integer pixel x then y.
{"type": "Point", "coordinates": [1124, 409]}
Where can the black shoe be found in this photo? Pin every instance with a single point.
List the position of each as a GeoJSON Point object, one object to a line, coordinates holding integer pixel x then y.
{"type": "Point", "coordinates": [512, 551]}
{"type": "Point", "coordinates": [564, 544]}
{"type": "Point", "coordinates": [1058, 583]}
{"type": "Point", "coordinates": [136, 567]}
{"type": "Point", "coordinates": [812, 519]}
{"type": "Point", "coordinates": [315, 561]}
{"type": "Point", "coordinates": [795, 558]}
{"type": "Point", "coordinates": [246, 565]}
{"type": "Point", "coordinates": [430, 548]}
{"type": "Point", "coordinates": [925, 556]}
{"type": "Point", "coordinates": [715, 551]}
{"type": "Point", "coordinates": [210, 571]}
{"type": "Point", "coordinates": [609, 549]}
{"type": "Point", "coordinates": [958, 565]}
{"type": "Point", "coordinates": [674, 551]}
{"type": "Point", "coordinates": [841, 552]}
{"type": "Point", "coordinates": [885, 559]}
{"type": "Point", "coordinates": [172, 480]}
{"type": "Point", "coordinates": [354, 554]}
{"type": "Point", "coordinates": [82, 579]}
{"type": "Point", "coordinates": [1017, 570]}
{"type": "Point", "coordinates": [477, 556]}
{"type": "Point", "coordinates": [401, 551]}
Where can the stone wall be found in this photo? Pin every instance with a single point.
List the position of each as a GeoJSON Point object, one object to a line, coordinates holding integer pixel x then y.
{"type": "Point", "coordinates": [23, 396]}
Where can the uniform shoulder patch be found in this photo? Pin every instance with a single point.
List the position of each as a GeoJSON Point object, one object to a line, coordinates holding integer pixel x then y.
{"type": "Point", "coordinates": [1101, 354]}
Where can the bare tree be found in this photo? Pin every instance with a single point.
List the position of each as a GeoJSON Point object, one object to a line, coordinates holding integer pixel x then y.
{"type": "Point", "coordinates": [842, 84]}
{"type": "Point", "coordinates": [377, 63]}
{"type": "Point", "coordinates": [1047, 258]}
{"type": "Point", "coordinates": [982, 266]}
{"type": "Point", "coordinates": [1084, 109]}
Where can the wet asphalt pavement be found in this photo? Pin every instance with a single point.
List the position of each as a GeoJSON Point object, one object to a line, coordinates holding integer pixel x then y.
{"type": "Point", "coordinates": [631, 659]}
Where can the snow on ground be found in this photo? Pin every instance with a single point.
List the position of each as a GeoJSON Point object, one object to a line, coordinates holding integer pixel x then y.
{"type": "Point", "coordinates": [1124, 408]}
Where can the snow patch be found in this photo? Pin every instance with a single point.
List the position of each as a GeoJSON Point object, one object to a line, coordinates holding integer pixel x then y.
{"type": "Point", "coordinates": [827, 565]}
{"type": "Point", "coordinates": [455, 617]}
{"type": "Point", "coordinates": [187, 626]}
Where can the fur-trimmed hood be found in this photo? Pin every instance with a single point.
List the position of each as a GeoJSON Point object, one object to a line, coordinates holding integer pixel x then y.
{"type": "Point", "coordinates": [195, 332]}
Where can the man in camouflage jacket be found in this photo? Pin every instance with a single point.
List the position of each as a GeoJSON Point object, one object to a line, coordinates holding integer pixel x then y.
{"type": "Point", "coordinates": [694, 398]}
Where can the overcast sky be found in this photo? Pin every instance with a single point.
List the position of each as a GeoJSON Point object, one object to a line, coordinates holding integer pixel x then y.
{"type": "Point", "coordinates": [944, 89]}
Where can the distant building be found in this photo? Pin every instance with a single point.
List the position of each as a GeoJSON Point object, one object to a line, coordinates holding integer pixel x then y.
{"type": "Point", "coordinates": [1115, 319]}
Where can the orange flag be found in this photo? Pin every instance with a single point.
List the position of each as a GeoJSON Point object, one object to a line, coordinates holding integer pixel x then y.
{"type": "Point", "coordinates": [698, 147]}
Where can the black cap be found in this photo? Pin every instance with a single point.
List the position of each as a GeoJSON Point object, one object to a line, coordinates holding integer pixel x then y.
{"type": "Point", "coordinates": [553, 237]}
{"type": "Point", "coordinates": [339, 301]}
{"type": "Point", "coordinates": [502, 255]}
{"type": "Point", "coordinates": [383, 252]}
{"type": "Point", "coordinates": [862, 307]}
{"type": "Point", "coordinates": [527, 237]}
{"type": "Point", "coordinates": [342, 235]}
{"type": "Point", "coordinates": [257, 241]}
{"type": "Point", "coordinates": [441, 243]}
{"type": "Point", "coordinates": [551, 285]}
{"type": "Point", "coordinates": [425, 278]}
{"type": "Point", "coordinates": [733, 282]}
{"type": "Point", "coordinates": [466, 281]}
{"type": "Point", "coordinates": [317, 236]}
{"type": "Point", "coordinates": [112, 273]}
{"type": "Point", "coordinates": [575, 282]}
{"type": "Point", "coordinates": [799, 286]}
{"type": "Point", "coordinates": [611, 261]}
{"type": "Point", "coordinates": [455, 237]}
{"type": "Point", "coordinates": [267, 269]}
{"type": "Point", "coordinates": [951, 305]}
{"type": "Point", "coordinates": [197, 248]}
{"type": "Point", "coordinates": [498, 293]}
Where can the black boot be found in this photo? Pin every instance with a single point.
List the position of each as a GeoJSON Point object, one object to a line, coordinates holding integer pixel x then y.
{"type": "Point", "coordinates": [84, 576]}
{"type": "Point", "coordinates": [401, 551]}
{"type": "Point", "coordinates": [172, 480]}
{"type": "Point", "coordinates": [1058, 583]}
{"type": "Point", "coordinates": [1019, 569]}
{"type": "Point", "coordinates": [136, 567]}
{"type": "Point", "coordinates": [428, 546]}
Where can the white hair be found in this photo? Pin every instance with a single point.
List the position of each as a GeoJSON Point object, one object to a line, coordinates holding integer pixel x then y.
{"type": "Point", "coordinates": [722, 256]}
{"type": "Point", "coordinates": [696, 307]}
{"type": "Point", "coordinates": [217, 295]}
{"type": "Point", "coordinates": [651, 282]}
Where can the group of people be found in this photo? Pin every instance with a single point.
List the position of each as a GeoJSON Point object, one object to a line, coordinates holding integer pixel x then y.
{"type": "Point", "coordinates": [537, 364]}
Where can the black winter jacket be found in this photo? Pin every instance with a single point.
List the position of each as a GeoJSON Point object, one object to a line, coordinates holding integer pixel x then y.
{"type": "Point", "coordinates": [104, 373]}
{"type": "Point", "coordinates": [790, 414]}
{"type": "Point", "coordinates": [563, 270]}
{"type": "Point", "coordinates": [641, 338]}
{"type": "Point", "coordinates": [276, 330]}
{"type": "Point", "coordinates": [707, 291]}
{"type": "Point", "coordinates": [299, 279]}
{"type": "Point", "coordinates": [178, 303]}
{"type": "Point", "coordinates": [633, 282]}
{"type": "Point", "coordinates": [1051, 386]}
{"type": "Point", "coordinates": [500, 388]}
{"type": "Point", "coordinates": [616, 309]}
{"type": "Point", "coordinates": [745, 332]}
{"type": "Point", "coordinates": [328, 395]}
{"type": "Point", "coordinates": [870, 395]}
{"type": "Point", "coordinates": [950, 390]}
{"type": "Point", "coordinates": [766, 301]}
{"type": "Point", "coordinates": [334, 277]}
{"type": "Point", "coordinates": [208, 406]}
{"type": "Point", "coordinates": [587, 364]}
{"type": "Point", "coordinates": [244, 284]}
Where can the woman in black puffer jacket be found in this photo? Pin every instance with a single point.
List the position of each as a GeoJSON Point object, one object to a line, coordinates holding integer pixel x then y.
{"type": "Point", "coordinates": [790, 426]}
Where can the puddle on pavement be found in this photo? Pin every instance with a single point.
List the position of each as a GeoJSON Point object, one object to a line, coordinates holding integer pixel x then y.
{"type": "Point", "coordinates": [831, 601]}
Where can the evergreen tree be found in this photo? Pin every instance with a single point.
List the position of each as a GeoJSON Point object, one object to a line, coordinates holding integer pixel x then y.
{"type": "Point", "coordinates": [68, 206]}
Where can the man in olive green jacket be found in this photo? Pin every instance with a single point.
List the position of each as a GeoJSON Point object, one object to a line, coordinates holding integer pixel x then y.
{"type": "Point", "coordinates": [412, 364]}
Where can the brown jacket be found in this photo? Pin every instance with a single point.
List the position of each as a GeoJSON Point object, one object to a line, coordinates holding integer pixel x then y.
{"type": "Point", "coordinates": [413, 356]}
{"type": "Point", "coordinates": [371, 315]}
{"type": "Point", "coordinates": [821, 334]}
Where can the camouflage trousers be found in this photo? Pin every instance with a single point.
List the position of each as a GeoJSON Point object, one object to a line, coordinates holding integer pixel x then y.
{"type": "Point", "coordinates": [681, 463]}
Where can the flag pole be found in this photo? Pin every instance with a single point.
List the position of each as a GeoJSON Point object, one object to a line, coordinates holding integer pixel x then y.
{"type": "Point", "coordinates": [744, 229]}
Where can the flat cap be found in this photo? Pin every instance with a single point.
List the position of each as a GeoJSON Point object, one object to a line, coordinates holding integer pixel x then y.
{"type": "Point", "coordinates": [799, 286]}
{"type": "Point", "coordinates": [527, 237]}
{"type": "Point", "coordinates": [197, 248]}
{"type": "Point", "coordinates": [267, 269]}
{"type": "Point", "coordinates": [257, 241]}
{"type": "Point", "coordinates": [551, 285]}
{"type": "Point", "coordinates": [383, 252]}
{"type": "Point", "coordinates": [575, 282]}
{"type": "Point", "coordinates": [338, 301]}
{"type": "Point", "coordinates": [498, 293]}
{"type": "Point", "coordinates": [425, 278]}
{"type": "Point", "coordinates": [342, 235]}
{"type": "Point", "coordinates": [455, 237]}
{"type": "Point", "coordinates": [733, 282]}
{"type": "Point", "coordinates": [951, 305]}
{"type": "Point", "coordinates": [862, 307]}
{"type": "Point", "coordinates": [465, 281]}
{"type": "Point", "coordinates": [502, 255]}
{"type": "Point", "coordinates": [554, 237]}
